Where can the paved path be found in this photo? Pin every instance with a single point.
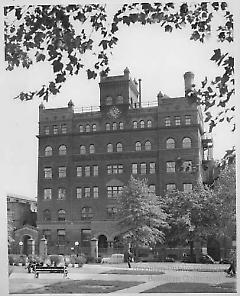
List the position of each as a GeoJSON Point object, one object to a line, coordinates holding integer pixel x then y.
{"type": "Point", "coordinates": [20, 279]}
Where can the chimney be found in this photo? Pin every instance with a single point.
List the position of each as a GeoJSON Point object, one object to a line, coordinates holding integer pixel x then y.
{"type": "Point", "coordinates": [189, 81]}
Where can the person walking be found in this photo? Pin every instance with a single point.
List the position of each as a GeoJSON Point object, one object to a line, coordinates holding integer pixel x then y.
{"type": "Point", "coordinates": [232, 268]}
{"type": "Point", "coordinates": [129, 258]}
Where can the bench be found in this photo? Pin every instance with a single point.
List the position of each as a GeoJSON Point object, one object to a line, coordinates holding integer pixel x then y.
{"type": "Point", "coordinates": [50, 269]}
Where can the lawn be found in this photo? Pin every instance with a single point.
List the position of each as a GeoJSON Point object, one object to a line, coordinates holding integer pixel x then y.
{"type": "Point", "coordinates": [85, 286]}
{"type": "Point", "coordinates": [133, 272]}
{"type": "Point", "coordinates": [193, 288]}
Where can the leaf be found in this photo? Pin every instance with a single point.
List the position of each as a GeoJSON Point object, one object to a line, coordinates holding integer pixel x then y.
{"type": "Point", "coordinates": [40, 57]}
{"type": "Point", "coordinates": [91, 74]}
{"type": "Point", "coordinates": [168, 28]}
{"type": "Point", "coordinates": [217, 55]}
{"type": "Point", "coordinates": [57, 66]}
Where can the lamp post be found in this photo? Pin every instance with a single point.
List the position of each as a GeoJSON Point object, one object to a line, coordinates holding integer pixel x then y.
{"type": "Point", "coordinates": [191, 230]}
{"type": "Point", "coordinates": [76, 246]}
{"type": "Point", "coordinates": [21, 247]}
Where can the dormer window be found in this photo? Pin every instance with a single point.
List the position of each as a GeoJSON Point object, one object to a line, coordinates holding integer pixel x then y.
{"type": "Point", "coordinates": [109, 101]}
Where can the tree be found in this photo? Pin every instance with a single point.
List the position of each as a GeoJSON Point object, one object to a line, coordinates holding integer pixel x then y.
{"type": "Point", "coordinates": [65, 35]}
{"type": "Point", "coordinates": [10, 231]}
{"type": "Point", "coordinates": [140, 215]}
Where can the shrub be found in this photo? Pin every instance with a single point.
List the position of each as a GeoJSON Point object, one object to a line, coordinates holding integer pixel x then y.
{"type": "Point", "coordinates": [57, 260]}
{"type": "Point", "coordinates": [10, 259]}
{"type": "Point", "coordinates": [81, 259]}
{"type": "Point", "coordinates": [67, 260]}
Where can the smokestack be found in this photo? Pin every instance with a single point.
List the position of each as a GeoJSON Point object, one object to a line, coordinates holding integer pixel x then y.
{"type": "Point", "coordinates": [140, 92]}
{"type": "Point", "coordinates": [189, 81]}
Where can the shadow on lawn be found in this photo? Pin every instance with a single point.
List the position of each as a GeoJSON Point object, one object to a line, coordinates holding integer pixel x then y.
{"type": "Point", "coordinates": [194, 288]}
{"type": "Point", "coordinates": [86, 286]}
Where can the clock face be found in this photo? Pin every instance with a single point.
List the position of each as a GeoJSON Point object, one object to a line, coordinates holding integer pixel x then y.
{"type": "Point", "coordinates": [114, 112]}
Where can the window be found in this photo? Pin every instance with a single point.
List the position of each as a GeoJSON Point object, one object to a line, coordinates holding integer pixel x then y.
{"type": "Point", "coordinates": [134, 168]}
{"type": "Point", "coordinates": [152, 188]}
{"type": "Point", "coordinates": [62, 150]}
{"type": "Point", "coordinates": [94, 127]}
{"type": "Point", "coordinates": [82, 150]}
{"type": "Point", "coordinates": [148, 145]}
{"type": "Point", "coordinates": [109, 101]}
{"type": "Point", "coordinates": [86, 238]}
{"type": "Point", "coordinates": [87, 213]}
{"type": "Point", "coordinates": [87, 128]}
{"type": "Point", "coordinates": [177, 120]}
{"type": "Point", "coordinates": [142, 124]}
{"type": "Point", "coordinates": [87, 171]}
{"type": "Point", "coordinates": [55, 129]}
{"type": "Point", "coordinates": [47, 130]}
{"type": "Point", "coordinates": [79, 192]}
{"type": "Point", "coordinates": [170, 143]}
{"type": "Point", "coordinates": [95, 192]}
{"type": "Point", "coordinates": [109, 147]}
{"type": "Point", "coordinates": [46, 215]}
{"type": "Point", "coordinates": [167, 121]}
{"type": "Point", "coordinates": [48, 151]}
{"type": "Point", "coordinates": [143, 168]}
{"type": "Point", "coordinates": [79, 171]}
{"type": "Point", "coordinates": [47, 234]}
{"type": "Point", "coordinates": [138, 146]}
{"type": "Point", "coordinates": [61, 235]}
{"type": "Point", "coordinates": [87, 192]}
{"type": "Point", "coordinates": [108, 127]}
{"type": "Point", "coordinates": [61, 193]}
{"type": "Point", "coordinates": [186, 143]}
{"type": "Point", "coordinates": [48, 173]}
{"type": "Point", "coordinates": [187, 166]}
{"type": "Point", "coordinates": [135, 124]}
{"type": "Point", "coordinates": [95, 170]}
{"type": "Point", "coordinates": [187, 119]}
{"type": "Point", "coordinates": [61, 215]}
{"type": "Point", "coordinates": [81, 130]}
{"type": "Point", "coordinates": [62, 172]}
{"type": "Point", "coordinates": [114, 126]}
{"type": "Point", "coordinates": [47, 193]}
{"type": "Point", "coordinates": [171, 187]}
{"type": "Point", "coordinates": [119, 100]}
{"type": "Point", "coordinates": [171, 167]}
{"type": "Point", "coordinates": [187, 187]}
{"type": "Point", "coordinates": [111, 212]}
{"type": "Point", "coordinates": [91, 149]}
{"type": "Point", "coordinates": [64, 128]}
{"type": "Point", "coordinates": [113, 191]}
{"type": "Point", "coordinates": [121, 125]}
{"type": "Point", "coordinates": [152, 168]}
{"type": "Point", "coordinates": [149, 123]}
{"type": "Point", "coordinates": [119, 147]}
{"type": "Point", "coordinates": [114, 169]}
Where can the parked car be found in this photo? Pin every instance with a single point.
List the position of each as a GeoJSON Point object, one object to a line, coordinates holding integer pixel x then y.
{"type": "Point", "coordinates": [206, 259]}
{"type": "Point", "coordinates": [169, 259]}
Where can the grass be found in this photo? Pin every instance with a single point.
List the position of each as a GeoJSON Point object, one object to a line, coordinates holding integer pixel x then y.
{"type": "Point", "coordinates": [85, 286]}
{"type": "Point", "coordinates": [133, 272]}
{"type": "Point", "coordinates": [185, 287]}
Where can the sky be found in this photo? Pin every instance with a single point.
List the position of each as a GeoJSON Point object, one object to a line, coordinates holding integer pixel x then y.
{"type": "Point", "coordinates": [160, 59]}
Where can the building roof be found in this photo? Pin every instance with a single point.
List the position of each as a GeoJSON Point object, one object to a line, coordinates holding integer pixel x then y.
{"type": "Point", "coordinates": [21, 197]}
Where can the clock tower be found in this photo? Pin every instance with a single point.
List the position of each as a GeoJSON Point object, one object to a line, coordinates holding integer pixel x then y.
{"type": "Point", "coordinates": [118, 94]}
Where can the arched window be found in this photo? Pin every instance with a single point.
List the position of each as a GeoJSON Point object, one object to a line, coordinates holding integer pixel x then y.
{"type": "Point", "coordinates": [138, 146]}
{"type": "Point", "coordinates": [149, 123]}
{"type": "Point", "coordinates": [120, 125]}
{"type": "Point", "coordinates": [109, 147]}
{"type": "Point", "coordinates": [87, 213]}
{"type": "Point", "coordinates": [109, 101]}
{"type": "Point", "coordinates": [119, 147]}
{"type": "Point", "coordinates": [186, 143]}
{"type": "Point", "coordinates": [91, 149]}
{"type": "Point", "coordinates": [170, 143]}
{"type": "Point", "coordinates": [135, 124]}
{"type": "Point", "coordinates": [148, 145]}
{"type": "Point", "coordinates": [94, 127]}
{"type": "Point", "coordinates": [114, 126]}
{"type": "Point", "coordinates": [82, 150]}
{"type": "Point", "coordinates": [62, 150]}
{"type": "Point", "coordinates": [61, 215]}
{"type": "Point", "coordinates": [48, 151]}
{"type": "Point", "coordinates": [142, 125]}
{"type": "Point", "coordinates": [87, 128]}
{"type": "Point", "coordinates": [46, 215]}
{"type": "Point", "coordinates": [81, 130]}
{"type": "Point", "coordinates": [108, 127]}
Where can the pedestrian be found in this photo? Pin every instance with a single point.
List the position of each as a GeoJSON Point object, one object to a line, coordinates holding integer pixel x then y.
{"type": "Point", "coordinates": [129, 258]}
{"type": "Point", "coordinates": [232, 268]}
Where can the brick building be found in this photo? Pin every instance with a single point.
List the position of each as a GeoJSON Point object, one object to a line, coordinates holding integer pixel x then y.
{"type": "Point", "coordinates": [86, 156]}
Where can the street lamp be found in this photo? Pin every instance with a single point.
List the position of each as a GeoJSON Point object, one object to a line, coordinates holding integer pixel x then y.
{"type": "Point", "coordinates": [21, 247]}
{"type": "Point", "coordinates": [76, 245]}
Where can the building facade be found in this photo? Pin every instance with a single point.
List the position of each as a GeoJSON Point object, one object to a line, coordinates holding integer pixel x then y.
{"type": "Point", "coordinates": [86, 157]}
